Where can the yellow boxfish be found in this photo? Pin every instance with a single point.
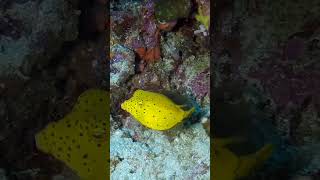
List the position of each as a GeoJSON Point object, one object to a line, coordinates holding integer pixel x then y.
{"type": "Point", "coordinates": [81, 138]}
{"type": "Point", "coordinates": [154, 110]}
{"type": "Point", "coordinates": [229, 166]}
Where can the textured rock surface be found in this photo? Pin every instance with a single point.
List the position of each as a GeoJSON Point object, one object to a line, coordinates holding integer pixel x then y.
{"type": "Point", "coordinates": [44, 66]}
{"type": "Point", "coordinates": [122, 65]}
{"type": "Point", "coordinates": [267, 53]}
{"type": "Point", "coordinates": [186, 156]}
{"type": "Point", "coordinates": [3, 175]}
{"type": "Point", "coordinates": [32, 31]}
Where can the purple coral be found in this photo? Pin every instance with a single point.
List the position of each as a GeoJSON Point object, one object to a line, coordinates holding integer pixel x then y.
{"type": "Point", "coordinates": [148, 36]}
{"type": "Point", "coordinates": [149, 6]}
{"type": "Point", "coordinates": [137, 43]}
{"type": "Point", "coordinates": [294, 49]}
{"type": "Point", "coordinates": [201, 84]}
{"type": "Point", "coordinates": [287, 85]}
{"type": "Point", "coordinates": [149, 26]}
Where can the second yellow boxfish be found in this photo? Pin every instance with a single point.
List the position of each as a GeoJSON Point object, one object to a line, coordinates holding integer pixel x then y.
{"type": "Point", "coordinates": [155, 110]}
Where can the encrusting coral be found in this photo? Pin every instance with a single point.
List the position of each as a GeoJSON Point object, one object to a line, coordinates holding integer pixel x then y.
{"type": "Point", "coordinates": [169, 10]}
{"type": "Point", "coordinates": [229, 166]}
{"type": "Point", "coordinates": [80, 139]}
{"type": "Point", "coordinates": [158, 16]}
{"type": "Point", "coordinates": [154, 110]}
{"type": "Point", "coordinates": [203, 19]}
{"type": "Point", "coordinates": [147, 46]}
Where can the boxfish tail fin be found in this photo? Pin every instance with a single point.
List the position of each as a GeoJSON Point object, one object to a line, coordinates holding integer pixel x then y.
{"type": "Point", "coordinates": [189, 112]}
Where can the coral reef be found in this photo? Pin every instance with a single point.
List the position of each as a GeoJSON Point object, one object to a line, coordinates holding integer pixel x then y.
{"type": "Point", "coordinates": [29, 38]}
{"type": "Point", "coordinates": [46, 62]}
{"type": "Point", "coordinates": [178, 74]}
{"type": "Point", "coordinates": [202, 18]}
{"type": "Point", "coordinates": [169, 10]}
{"type": "Point", "coordinates": [121, 65]}
{"type": "Point", "coordinates": [184, 157]}
{"type": "Point", "coordinates": [267, 56]}
{"type": "Point", "coordinates": [193, 76]}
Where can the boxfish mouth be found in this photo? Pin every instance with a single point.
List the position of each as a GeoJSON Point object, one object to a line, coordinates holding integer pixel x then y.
{"type": "Point", "coordinates": [124, 105]}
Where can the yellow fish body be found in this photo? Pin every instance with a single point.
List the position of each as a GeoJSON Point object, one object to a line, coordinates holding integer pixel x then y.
{"type": "Point", "coordinates": [154, 110]}
{"type": "Point", "coordinates": [229, 166]}
{"type": "Point", "coordinates": [81, 139]}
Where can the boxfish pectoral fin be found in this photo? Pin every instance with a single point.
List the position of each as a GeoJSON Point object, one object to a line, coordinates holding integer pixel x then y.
{"type": "Point", "coordinates": [189, 112]}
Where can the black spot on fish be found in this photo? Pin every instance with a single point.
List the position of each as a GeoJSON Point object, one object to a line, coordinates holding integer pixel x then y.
{"type": "Point", "coordinates": [85, 156]}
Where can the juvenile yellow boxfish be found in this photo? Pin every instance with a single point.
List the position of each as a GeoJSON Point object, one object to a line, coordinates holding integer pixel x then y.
{"type": "Point", "coordinates": [81, 139]}
{"type": "Point", "coordinates": [154, 110]}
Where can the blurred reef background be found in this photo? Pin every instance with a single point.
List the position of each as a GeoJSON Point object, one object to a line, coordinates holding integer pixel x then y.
{"type": "Point", "coordinates": [50, 52]}
{"type": "Point", "coordinates": [265, 65]}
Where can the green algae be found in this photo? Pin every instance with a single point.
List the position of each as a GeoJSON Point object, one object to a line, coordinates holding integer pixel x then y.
{"type": "Point", "coordinates": [169, 10]}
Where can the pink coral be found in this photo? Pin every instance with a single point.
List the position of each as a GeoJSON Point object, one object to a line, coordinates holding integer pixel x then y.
{"type": "Point", "coordinates": [201, 84]}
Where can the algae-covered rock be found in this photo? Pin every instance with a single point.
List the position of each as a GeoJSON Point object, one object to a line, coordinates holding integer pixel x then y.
{"type": "Point", "coordinates": [185, 156]}
{"type": "Point", "coordinates": [193, 76]}
{"type": "Point", "coordinates": [168, 10]}
{"type": "Point", "coordinates": [122, 65]}
{"type": "Point", "coordinates": [31, 32]}
{"type": "Point", "coordinates": [203, 14]}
